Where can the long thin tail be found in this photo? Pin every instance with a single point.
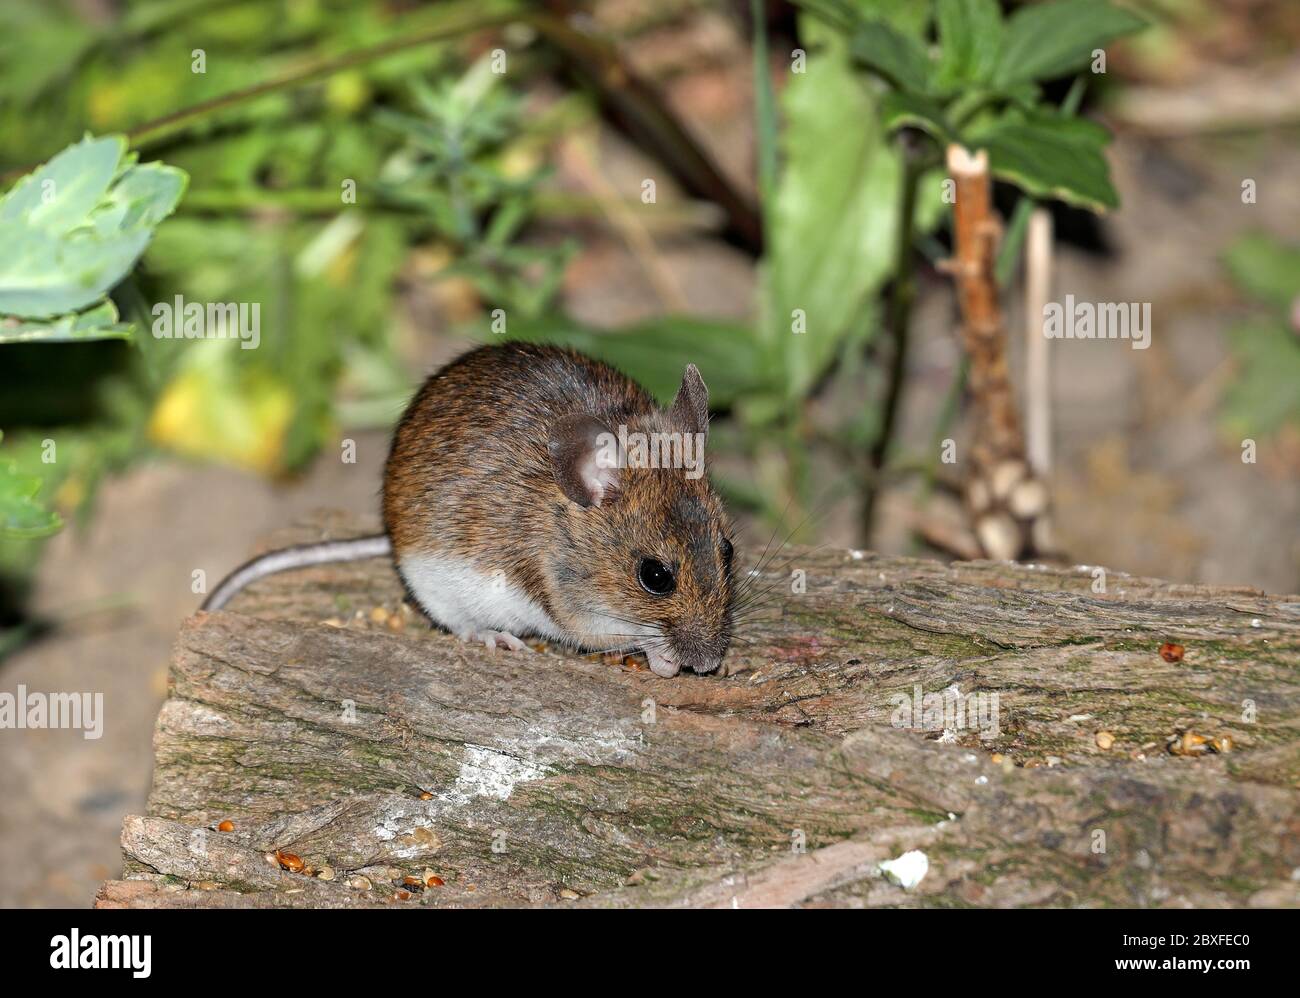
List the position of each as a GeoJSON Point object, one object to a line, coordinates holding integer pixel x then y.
{"type": "Point", "coordinates": [300, 556]}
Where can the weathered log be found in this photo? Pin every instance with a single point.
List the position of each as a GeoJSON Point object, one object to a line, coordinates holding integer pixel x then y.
{"type": "Point", "coordinates": [549, 777]}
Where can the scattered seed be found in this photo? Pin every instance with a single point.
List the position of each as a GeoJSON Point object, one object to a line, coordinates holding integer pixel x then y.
{"type": "Point", "coordinates": [401, 895]}
{"type": "Point", "coordinates": [433, 880]}
{"type": "Point", "coordinates": [334, 622]}
{"type": "Point", "coordinates": [568, 894]}
{"type": "Point", "coordinates": [226, 826]}
{"type": "Point", "coordinates": [325, 873]}
{"type": "Point", "coordinates": [1171, 652]}
{"type": "Point", "coordinates": [997, 758]}
{"type": "Point", "coordinates": [360, 883]}
{"type": "Point", "coordinates": [1188, 743]}
{"type": "Point", "coordinates": [1221, 745]}
{"type": "Point", "coordinates": [396, 623]}
{"type": "Point", "coordinates": [379, 615]}
{"type": "Point", "coordinates": [1105, 740]}
{"type": "Point", "coordinates": [289, 861]}
{"type": "Point", "coordinates": [425, 795]}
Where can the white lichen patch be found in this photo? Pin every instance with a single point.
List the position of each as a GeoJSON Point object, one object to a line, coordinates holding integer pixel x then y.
{"type": "Point", "coordinates": [908, 870]}
{"type": "Point", "coordinates": [485, 772]}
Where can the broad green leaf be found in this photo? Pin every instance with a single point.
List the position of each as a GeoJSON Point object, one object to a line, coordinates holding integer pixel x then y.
{"type": "Point", "coordinates": [970, 36]}
{"type": "Point", "coordinates": [1265, 269]}
{"type": "Point", "coordinates": [1263, 398]}
{"type": "Point", "coordinates": [832, 224]}
{"type": "Point", "coordinates": [98, 323]}
{"type": "Point", "coordinates": [898, 110]}
{"type": "Point", "coordinates": [1046, 40]}
{"type": "Point", "coordinates": [21, 514]}
{"type": "Point", "coordinates": [76, 226]}
{"type": "Point", "coordinates": [656, 353]}
{"type": "Point", "coordinates": [1050, 156]}
{"type": "Point", "coordinates": [899, 58]}
{"type": "Point", "coordinates": [62, 192]}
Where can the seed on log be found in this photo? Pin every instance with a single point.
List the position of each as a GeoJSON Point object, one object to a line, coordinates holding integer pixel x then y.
{"type": "Point", "coordinates": [360, 883]}
{"type": "Point", "coordinates": [334, 622]}
{"type": "Point", "coordinates": [395, 623]}
{"type": "Point", "coordinates": [997, 758]}
{"type": "Point", "coordinates": [325, 873]}
{"type": "Point", "coordinates": [434, 881]}
{"type": "Point", "coordinates": [1105, 740]}
{"type": "Point", "coordinates": [568, 894]}
{"type": "Point", "coordinates": [401, 895]}
{"type": "Point", "coordinates": [289, 861]}
{"type": "Point", "coordinates": [1189, 743]}
{"type": "Point", "coordinates": [226, 826]}
{"type": "Point", "coordinates": [425, 795]}
{"type": "Point", "coordinates": [1028, 499]}
{"type": "Point", "coordinates": [1222, 744]}
{"type": "Point", "coordinates": [1171, 652]}
{"type": "Point", "coordinates": [977, 494]}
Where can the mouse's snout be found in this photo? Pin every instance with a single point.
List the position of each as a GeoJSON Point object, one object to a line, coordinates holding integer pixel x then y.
{"type": "Point", "coordinates": [684, 650]}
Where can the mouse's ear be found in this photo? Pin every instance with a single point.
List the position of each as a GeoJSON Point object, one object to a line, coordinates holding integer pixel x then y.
{"type": "Point", "coordinates": [584, 459]}
{"type": "Point", "coordinates": [690, 409]}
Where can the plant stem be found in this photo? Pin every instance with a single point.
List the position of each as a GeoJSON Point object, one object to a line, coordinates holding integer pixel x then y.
{"type": "Point", "coordinates": [899, 318]}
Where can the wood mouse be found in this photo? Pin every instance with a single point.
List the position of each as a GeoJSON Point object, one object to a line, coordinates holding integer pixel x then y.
{"type": "Point", "coordinates": [517, 503]}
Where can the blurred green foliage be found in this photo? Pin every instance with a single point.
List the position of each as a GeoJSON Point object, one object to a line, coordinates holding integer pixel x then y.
{"type": "Point", "coordinates": [1265, 395]}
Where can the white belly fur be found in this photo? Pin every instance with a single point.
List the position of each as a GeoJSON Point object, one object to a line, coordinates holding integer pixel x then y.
{"type": "Point", "coordinates": [466, 600]}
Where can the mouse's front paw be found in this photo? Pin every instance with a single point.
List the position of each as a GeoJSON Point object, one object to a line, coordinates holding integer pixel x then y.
{"type": "Point", "coordinates": [497, 639]}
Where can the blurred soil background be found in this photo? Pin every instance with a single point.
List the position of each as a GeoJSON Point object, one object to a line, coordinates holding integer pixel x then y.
{"type": "Point", "coordinates": [1144, 478]}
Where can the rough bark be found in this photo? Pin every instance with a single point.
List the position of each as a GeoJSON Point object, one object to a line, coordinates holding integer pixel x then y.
{"type": "Point", "coordinates": [551, 778]}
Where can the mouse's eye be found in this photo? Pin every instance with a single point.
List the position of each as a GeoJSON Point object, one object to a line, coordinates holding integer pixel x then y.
{"type": "Point", "coordinates": [727, 552]}
{"type": "Point", "coordinates": [655, 577]}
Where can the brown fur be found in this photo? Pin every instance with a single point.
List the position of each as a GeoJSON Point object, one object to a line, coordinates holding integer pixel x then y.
{"type": "Point", "coordinates": [469, 474]}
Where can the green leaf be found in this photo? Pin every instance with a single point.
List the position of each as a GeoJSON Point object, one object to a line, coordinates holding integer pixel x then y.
{"type": "Point", "coordinates": [98, 323]}
{"type": "Point", "coordinates": [832, 224]}
{"type": "Point", "coordinates": [656, 353]}
{"type": "Point", "coordinates": [899, 58]}
{"type": "Point", "coordinates": [899, 110]}
{"type": "Point", "coordinates": [75, 228]}
{"type": "Point", "coordinates": [1265, 269]}
{"type": "Point", "coordinates": [1050, 156]}
{"type": "Point", "coordinates": [21, 515]}
{"type": "Point", "coordinates": [970, 36]}
{"type": "Point", "coordinates": [1046, 40]}
{"type": "Point", "coordinates": [1263, 398]}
